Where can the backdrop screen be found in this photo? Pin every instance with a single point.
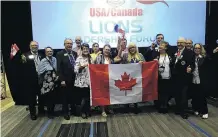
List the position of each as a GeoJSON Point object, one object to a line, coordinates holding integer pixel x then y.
{"type": "Point", "coordinates": [94, 21]}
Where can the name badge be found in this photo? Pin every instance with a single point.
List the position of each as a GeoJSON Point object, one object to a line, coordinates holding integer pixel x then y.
{"type": "Point", "coordinates": [183, 63]}
{"type": "Point", "coordinates": [31, 57]}
{"type": "Point", "coordinates": [65, 54]}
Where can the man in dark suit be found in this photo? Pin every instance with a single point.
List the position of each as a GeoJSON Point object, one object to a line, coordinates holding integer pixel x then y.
{"type": "Point", "coordinates": [184, 65]}
{"type": "Point", "coordinates": [65, 69]}
{"type": "Point", "coordinates": [30, 61]}
{"type": "Point", "coordinates": [152, 51]}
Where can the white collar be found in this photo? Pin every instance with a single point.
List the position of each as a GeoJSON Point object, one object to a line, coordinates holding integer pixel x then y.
{"type": "Point", "coordinates": [34, 53]}
{"type": "Point", "coordinates": [181, 50]}
{"type": "Point", "coordinates": [199, 56]}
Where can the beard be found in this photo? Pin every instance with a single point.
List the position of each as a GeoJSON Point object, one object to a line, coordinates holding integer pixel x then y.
{"type": "Point", "coordinates": [34, 50]}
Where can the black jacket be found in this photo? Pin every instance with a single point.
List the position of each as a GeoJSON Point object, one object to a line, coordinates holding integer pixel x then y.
{"type": "Point", "coordinates": [180, 67]}
{"type": "Point", "coordinates": [29, 66]}
{"type": "Point", "coordinates": [64, 68]}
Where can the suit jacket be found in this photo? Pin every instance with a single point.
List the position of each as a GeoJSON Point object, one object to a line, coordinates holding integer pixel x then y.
{"type": "Point", "coordinates": [65, 70]}
{"type": "Point", "coordinates": [30, 67]}
{"type": "Point", "coordinates": [180, 67]}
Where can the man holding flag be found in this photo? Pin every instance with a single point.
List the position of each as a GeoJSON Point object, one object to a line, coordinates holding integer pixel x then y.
{"type": "Point", "coordinates": [30, 62]}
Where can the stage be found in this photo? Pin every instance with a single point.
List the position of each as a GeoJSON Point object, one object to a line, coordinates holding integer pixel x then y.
{"type": "Point", "coordinates": [149, 123]}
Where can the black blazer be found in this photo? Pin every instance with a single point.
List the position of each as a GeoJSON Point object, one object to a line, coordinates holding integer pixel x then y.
{"type": "Point", "coordinates": [29, 65]}
{"type": "Point", "coordinates": [180, 67]}
{"type": "Point", "coordinates": [65, 70]}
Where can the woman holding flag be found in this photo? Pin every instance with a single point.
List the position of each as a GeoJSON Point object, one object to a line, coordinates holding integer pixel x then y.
{"type": "Point", "coordinates": [105, 59]}
{"type": "Point", "coordinates": [133, 56]}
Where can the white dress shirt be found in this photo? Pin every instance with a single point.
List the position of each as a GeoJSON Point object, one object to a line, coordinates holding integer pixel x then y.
{"type": "Point", "coordinates": [196, 78]}
{"type": "Point", "coordinates": [164, 61]}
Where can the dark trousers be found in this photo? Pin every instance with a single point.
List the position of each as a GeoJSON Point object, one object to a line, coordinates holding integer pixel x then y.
{"type": "Point", "coordinates": [68, 97]}
{"type": "Point", "coordinates": [32, 99]}
{"type": "Point", "coordinates": [85, 100]}
{"type": "Point", "coordinates": [181, 97]}
{"type": "Point", "coordinates": [48, 100]}
{"type": "Point", "coordinates": [164, 92]}
{"type": "Point", "coordinates": [199, 102]}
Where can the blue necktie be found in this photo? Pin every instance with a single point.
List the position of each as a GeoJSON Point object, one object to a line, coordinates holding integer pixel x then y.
{"type": "Point", "coordinates": [72, 60]}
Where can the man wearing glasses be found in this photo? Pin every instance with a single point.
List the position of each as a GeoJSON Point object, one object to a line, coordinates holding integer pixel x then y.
{"type": "Point", "coordinates": [77, 49]}
{"type": "Point", "coordinates": [65, 69]}
{"type": "Point", "coordinates": [30, 61]}
{"type": "Point", "coordinates": [189, 44]}
{"type": "Point", "coordinates": [184, 65]}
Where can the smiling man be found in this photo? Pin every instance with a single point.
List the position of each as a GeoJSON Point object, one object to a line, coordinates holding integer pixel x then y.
{"type": "Point", "coordinates": [184, 65]}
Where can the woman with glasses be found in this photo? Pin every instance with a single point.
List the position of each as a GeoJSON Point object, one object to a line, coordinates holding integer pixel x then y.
{"type": "Point", "coordinates": [199, 102]}
{"type": "Point", "coordinates": [82, 79]}
{"type": "Point", "coordinates": [133, 56]}
{"type": "Point", "coordinates": [164, 79]}
{"type": "Point", "coordinates": [105, 59]}
{"type": "Point", "coordinates": [47, 79]}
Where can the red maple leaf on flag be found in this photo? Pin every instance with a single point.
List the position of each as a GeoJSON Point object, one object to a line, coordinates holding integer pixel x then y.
{"type": "Point", "coordinates": [126, 83]}
{"type": "Point", "coordinates": [152, 2]}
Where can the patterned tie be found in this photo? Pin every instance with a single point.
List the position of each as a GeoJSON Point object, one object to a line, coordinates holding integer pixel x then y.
{"type": "Point", "coordinates": [72, 60]}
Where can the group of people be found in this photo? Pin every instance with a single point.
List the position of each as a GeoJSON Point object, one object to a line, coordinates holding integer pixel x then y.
{"type": "Point", "coordinates": [179, 73]}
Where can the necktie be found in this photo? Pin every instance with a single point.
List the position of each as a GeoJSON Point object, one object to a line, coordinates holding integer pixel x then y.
{"type": "Point", "coordinates": [72, 60]}
{"type": "Point", "coordinates": [178, 53]}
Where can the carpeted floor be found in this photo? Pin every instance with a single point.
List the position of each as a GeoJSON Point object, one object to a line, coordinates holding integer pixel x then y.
{"type": "Point", "coordinates": [15, 122]}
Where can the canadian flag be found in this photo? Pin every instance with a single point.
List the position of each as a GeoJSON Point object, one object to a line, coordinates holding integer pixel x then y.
{"type": "Point", "coordinates": [123, 83]}
{"type": "Point", "coordinates": [14, 50]}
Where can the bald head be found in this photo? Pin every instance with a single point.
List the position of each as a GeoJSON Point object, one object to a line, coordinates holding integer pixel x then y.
{"type": "Point", "coordinates": [189, 44]}
{"type": "Point", "coordinates": [78, 41]}
{"type": "Point", "coordinates": [181, 42]}
{"type": "Point", "coordinates": [34, 46]}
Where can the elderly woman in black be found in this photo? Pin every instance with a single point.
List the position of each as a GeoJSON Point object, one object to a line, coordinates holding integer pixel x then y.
{"type": "Point", "coordinates": [199, 102]}
{"type": "Point", "coordinates": [47, 79]}
{"type": "Point", "coordinates": [165, 62]}
{"type": "Point", "coordinates": [82, 79]}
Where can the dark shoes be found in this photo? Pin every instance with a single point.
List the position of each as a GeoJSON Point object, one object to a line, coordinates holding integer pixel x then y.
{"type": "Point", "coordinates": [184, 116]}
{"type": "Point", "coordinates": [67, 117]}
{"type": "Point", "coordinates": [33, 117]}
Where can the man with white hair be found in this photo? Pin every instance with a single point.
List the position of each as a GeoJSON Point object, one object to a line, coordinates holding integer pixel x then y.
{"type": "Point", "coordinates": [184, 65]}
{"type": "Point", "coordinates": [189, 44]}
{"type": "Point", "coordinates": [30, 61]}
{"type": "Point", "coordinates": [77, 49]}
{"type": "Point", "coordinates": [66, 60]}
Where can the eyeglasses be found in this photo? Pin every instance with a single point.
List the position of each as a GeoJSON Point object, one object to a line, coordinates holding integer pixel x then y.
{"type": "Point", "coordinates": [35, 45]}
{"type": "Point", "coordinates": [69, 43]}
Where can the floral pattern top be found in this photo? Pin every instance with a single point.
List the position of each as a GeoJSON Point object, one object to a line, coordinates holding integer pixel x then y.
{"type": "Point", "coordinates": [49, 81]}
{"type": "Point", "coordinates": [82, 75]}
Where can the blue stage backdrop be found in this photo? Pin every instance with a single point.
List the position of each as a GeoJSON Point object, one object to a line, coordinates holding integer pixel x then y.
{"type": "Point", "coordinates": [94, 20]}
